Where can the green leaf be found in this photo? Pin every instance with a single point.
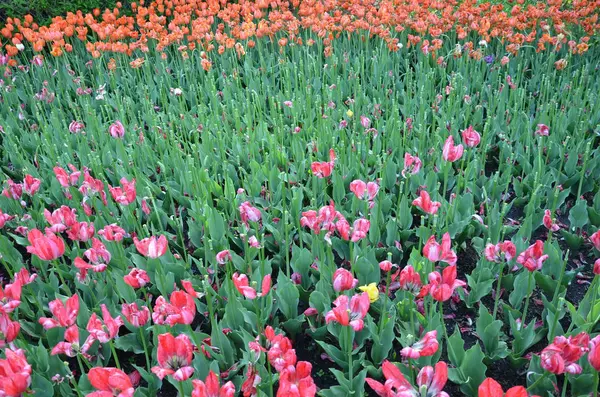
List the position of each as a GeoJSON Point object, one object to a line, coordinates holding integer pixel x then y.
{"type": "Point", "coordinates": [578, 216]}
{"type": "Point", "coordinates": [288, 295]}
{"type": "Point", "coordinates": [129, 343]}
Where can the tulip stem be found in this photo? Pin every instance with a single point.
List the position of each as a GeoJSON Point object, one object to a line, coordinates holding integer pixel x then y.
{"type": "Point", "coordinates": [145, 349]}
{"type": "Point", "coordinates": [384, 309]}
{"type": "Point", "coordinates": [595, 383]}
{"type": "Point", "coordinates": [564, 388]}
{"type": "Point", "coordinates": [114, 353]}
{"type": "Point", "coordinates": [80, 364]}
{"type": "Point", "coordinates": [448, 344]}
{"type": "Point", "coordinates": [349, 341]}
{"type": "Point", "coordinates": [524, 318]}
{"type": "Point", "coordinates": [498, 287]}
{"type": "Point", "coordinates": [180, 388]}
{"type": "Point", "coordinates": [593, 302]}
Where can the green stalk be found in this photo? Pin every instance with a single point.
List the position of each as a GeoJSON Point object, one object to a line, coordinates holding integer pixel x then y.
{"type": "Point", "coordinates": [385, 301]}
{"type": "Point", "coordinates": [498, 287]}
{"type": "Point", "coordinates": [350, 364]}
{"type": "Point", "coordinates": [114, 353]}
{"type": "Point", "coordinates": [537, 382]}
{"type": "Point", "coordinates": [180, 388]}
{"type": "Point", "coordinates": [524, 318]}
{"type": "Point", "coordinates": [145, 349]}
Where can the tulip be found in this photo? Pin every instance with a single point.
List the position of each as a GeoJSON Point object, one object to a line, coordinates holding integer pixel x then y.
{"type": "Point", "coordinates": [9, 330]}
{"type": "Point", "coordinates": [31, 185]}
{"type": "Point", "coordinates": [542, 130]}
{"type": "Point", "coordinates": [364, 190]}
{"type": "Point", "coordinates": [116, 130]}
{"type": "Point", "coordinates": [594, 354]}
{"type": "Point", "coordinates": [424, 203]}
{"type": "Point", "coordinates": [563, 353]}
{"type": "Point", "coordinates": [110, 382]}
{"type": "Point", "coordinates": [343, 280]}
{"type": "Point", "coordinates": [126, 194]}
{"type": "Point", "coordinates": [427, 346]}
{"type": "Point", "coordinates": [136, 278]}
{"type": "Point", "coordinates": [349, 312]}
{"type": "Point", "coordinates": [412, 164]}
{"type": "Point", "coordinates": [174, 357]}
{"type": "Point", "coordinates": [249, 213]}
{"type": "Point", "coordinates": [46, 247]}
{"type": "Point", "coordinates": [451, 152]}
{"type": "Point", "coordinates": [81, 231]}
{"type": "Point", "coordinates": [549, 222]}
{"type": "Point", "coordinates": [595, 239]}
{"type": "Point", "coordinates": [210, 387]}
{"type": "Point", "coordinates": [134, 315]}
{"type": "Point", "coordinates": [112, 232]}
{"type": "Point", "coordinates": [371, 290]}
{"type": "Point", "coordinates": [102, 331]}
{"type": "Point", "coordinates": [440, 252]}
{"type": "Point", "coordinates": [360, 229]}
{"type": "Point", "coordinates": [441, 287]}
{"type": "Point", "coordinates": [151, 247]}
{"type": "Point", "coordinates": [60, 219]}
{"type": "Point", "coordinates": [65, 315]}
{"type": "Point", "coordinates": [223, 257]}
{"type": "Point", "coordinates": [324, 169]}
{"type": "Point", "coordinates": [470, 137]}
{"type": "Point", "coordinates": [297, 381]}
{"type": "Point", "coordinates": [70, 346]}
{"type": "Point", "coordinates": [15, 373]}
{"type": "Point", "coordinates": [533, 257]}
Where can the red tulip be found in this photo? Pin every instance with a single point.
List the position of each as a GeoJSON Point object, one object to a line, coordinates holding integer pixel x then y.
{"type": "Point", "coordinates": [136, 278]}
{"type": "Point", "coordinates": [15, 373]}
{"type": "Point", "coordinates": [349, 312]}
{"type": "Point", "coordinates": [116, 130]}
{"type": "Point", "coordinates": [23, 277]}
{"type": "Point", "coordinates": [151, 247]}
{"type": "Point", "coordinates": [102, 331]}
{"type": "Point", "coordinates": [594, 355]}
{"type": "Point", "coordinates": [395, 382]}
{"type": "Point", "coordinates": [364, 190]}
{"type": "Point", "coordinates": [386, 266]}
{"type": "Point", "coordinates": [210, 387]}
{"type": "Point", "coordinates": [440, 252]}
{"type": "Point", "coordinates": [495, 253]}
{"type": "Point", "coordinates": [47, 247]}
{"type": "Point", "coordinates": [410, 280]}
{"type": "Point", "coordinates": [491, 388]}
{"type": "Point", "coordinates": [134, 315]}
{"type": "Point", "coordinates": [252, 381]}
{"type": "Point", "coordinates": [450, 152]}
{"type": "Point", "coordinates": [81, 231]}
{"type": "Point", "coordinates": [433, 380]}
{"type": "Point", "coordinates": [14, 190]}
{"type": "Point", "coordinates": [180, 310]}
{"type": "Point", "coordinates": [64, 315]}
{"type": "Point", "coordinates": [5, 218]}
{"type": "Point", "coordinates": [242, 284]}
{"type": "Point", "coordinates": [10, 296]}
{"type": "Point", "coordinates": [111, 382]}
{"type": "Point", "coordinates": [60, 219]}
{"type": "Point", "coordinates": [324, 169]}
{"type": "Point", "coordinates": [548, 222]}
{"type": "Point", "coordinates": [223, 257]}
{"type": "Point", "coordinates": [296, 381]}
{"type": "Point", "coordinates": [65, 179]}
{"type": "Point", "coordinates": [542, 130]}
{"type": "Point", "coordinates": [76, 127]}
{"type": "Point", "coordinates": [249, 213]}
{"type": "Point", "coordinates": [427, 346]}
{"type": "Point", "coordinates": [124, 195]}
{"type": "Point", "coordinates": [424, 202]}
{"type": "Point", "coordinates": [533, 257]}
{"type": "Point", "coordinates": [31, 185]}
{"type": "Point", "coordinates": [597, 267]}
{"type": "Point", "coordinates": [70, 347]}
{"type": "Point", "coordinates": [280, 353]}
{"type": "Point", "coordinates": [98, 253]}
{"type": "Point", "coordinates": [360, 229]}
{"type": "Point", "coordinates": [470, 137]}
{"type": "Point", "coordinates": [441, 287]}
{"type": "Point", "coordinates": [563, 353]}
{"type": "Point", "coordinates": [83, 267]}
{"type": "Point", "coordinates": [595, 239]}
{"type": "Point", "coordinates": [9, 330]}
{"type": "Point", "coordinates": [343, 280]}
{"type": "Point", "coordinates": [112, 232]}
{"type": "Point", "coordinates": [145, 207]}
{"type": "Point", "coordinates": [412, 164]}
{"type": "Point", "coordinates": [174, 357]}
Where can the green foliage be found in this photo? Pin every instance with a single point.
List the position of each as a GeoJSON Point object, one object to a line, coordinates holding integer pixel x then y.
{"type": "Point", "coordinates": [44, 10]}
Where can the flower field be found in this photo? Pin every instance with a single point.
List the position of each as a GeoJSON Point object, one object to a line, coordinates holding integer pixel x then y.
{"type": "Point", "coordinates": [389, 198]}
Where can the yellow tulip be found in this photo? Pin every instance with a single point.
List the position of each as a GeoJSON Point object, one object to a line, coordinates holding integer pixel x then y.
{"type": "Point", "coordinates": [371, 290]}
{"type": "Point", "coordinates": [349, 113]}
